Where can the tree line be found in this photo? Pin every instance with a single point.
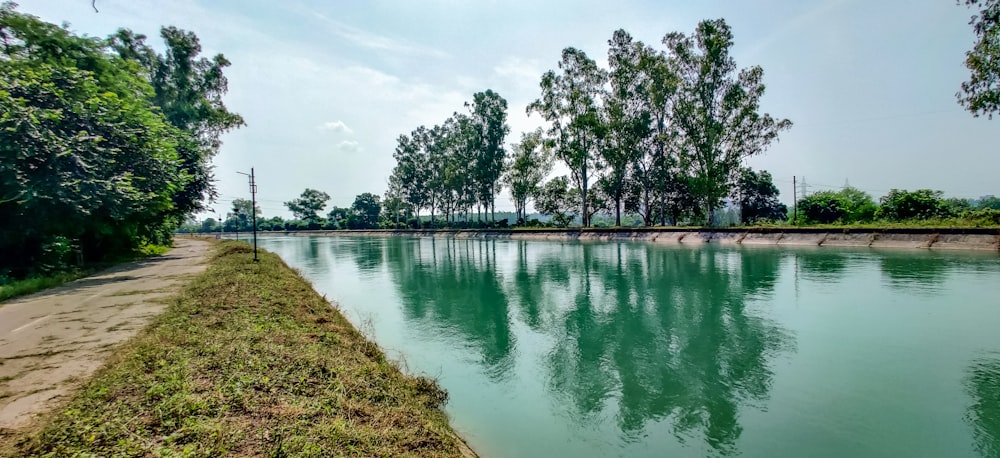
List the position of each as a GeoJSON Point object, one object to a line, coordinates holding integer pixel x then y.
{"type": "Point", "coordinates": [105, 144]}
{"type": "Point", "coordinates": [662, 134]}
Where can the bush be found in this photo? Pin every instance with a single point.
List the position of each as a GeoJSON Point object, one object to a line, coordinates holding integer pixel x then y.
{"type": "Point", "coordinates": [903, 205]}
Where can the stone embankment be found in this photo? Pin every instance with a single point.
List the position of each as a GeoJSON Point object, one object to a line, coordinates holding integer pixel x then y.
{"type": "Point", "coordinates": [925, 238]}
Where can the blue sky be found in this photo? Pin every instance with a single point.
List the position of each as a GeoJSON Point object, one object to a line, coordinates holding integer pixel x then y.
{"type": "Point", "coordinates": [326, 87]}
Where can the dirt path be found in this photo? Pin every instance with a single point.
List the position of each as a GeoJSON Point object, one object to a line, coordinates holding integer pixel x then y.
{"type": "Point", "coordinates": [54, 339]}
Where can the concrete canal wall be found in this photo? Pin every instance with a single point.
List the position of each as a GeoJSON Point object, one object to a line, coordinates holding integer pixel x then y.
{"type": "Point", "coordinates": [923, 238]}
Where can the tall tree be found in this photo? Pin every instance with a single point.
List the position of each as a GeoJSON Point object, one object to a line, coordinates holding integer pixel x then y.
{"type": "Point", "coordinates": [717, 111]}
{"type": "Point", "coordinates": [85, 156]}
{"type": "Point", "coordinates": [527, 167]}
{"type": "Point", "coordinates": [189, 90]}
{"type": "Point", "coordinates": [557, 200]}
{"type": "Point", "coordinates": [411, 172]}
{"type": "Point", "coordinates": [366, 210]}
{"type": "Point", "coordinates": [569, 103]}
{"type": "Point", "coordinates": [757, 197]}
{"type": "Point", "coordinates": [981, 94]}
{"type": "Point", "coordinates": [241, 213]}
{"type": "Point", "coordinates": [489, 119]}
{"type": "Point", "coordinates": [629, 116]}
{"type": "Point", "coordinates": [308, 205]}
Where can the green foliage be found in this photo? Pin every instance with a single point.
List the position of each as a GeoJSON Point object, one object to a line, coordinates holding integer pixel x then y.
{"type": "Point", "coordinates": [847, 206]}
{"type": "Point", "coordinates": [569, 103]}
{"type": "Point", "coordinates": [757, 197]}
{"type": "Point", "coordinates": [555, 199]}
{"type": "Point", "coordinates": [717, 110]}
{"type": "Point", "coordinates": [902, 205]}
{"type": "Point", "coordinates": [365, 211]}
{"type": "Point", "coordinates": [528, 166]}
{"type": "Point", "coordinates": [981, 93]}
{"type": "Point", "coordinates": [307, 206]}
{"type": "Point", "coordinates": [90, 152]}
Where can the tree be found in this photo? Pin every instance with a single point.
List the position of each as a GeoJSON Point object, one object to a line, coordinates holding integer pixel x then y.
{"type": "Point", "coordinates": [903, 205]}
{"type": "Point", "coordinates": [569, 103]}
{"type": "Point", "coordinates": [365, 211]}
{"type": "Point", "coordinates": [528, 166]}
{"type": "Point", "coordinates": [991, 202]}
{"type": "Point", "coordinates": [628, 115]}
{"type": "Point", "coordinates": [489, 121]}
{"type": "Point", "coordinates": [981, 94]}
{"type": "Point", "coordinates": [189, 90]}
{"type": "Point", "coordinates": [717, 110]}
{"type": "Point", "coordinates": [308, 205]}
{"type": "Point", "coordinates": [85, 155]}
{"type": "Point", "coordinates": [757, 197]}
{"type": "Point", "coordinates": [411, 171]}
{"type": "Point", "coordinates": [340, 217]}
{"type": "Point", "coordinates": [241, 213]}
{"type": "Point", "coordinates": [556, 199]}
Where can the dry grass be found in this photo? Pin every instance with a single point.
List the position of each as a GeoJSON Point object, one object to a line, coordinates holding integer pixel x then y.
{"type": "Point", "coordinates": [248, 361]}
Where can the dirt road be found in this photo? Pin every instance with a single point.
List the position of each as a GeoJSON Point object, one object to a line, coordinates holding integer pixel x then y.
{"type": "Point", "coordinates": [52, 340]}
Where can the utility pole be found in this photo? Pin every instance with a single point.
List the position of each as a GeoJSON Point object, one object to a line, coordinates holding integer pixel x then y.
{"type": "Point", "coordinates": [253, 210]}
{"type": "Point", "coordinates": [795, 202]}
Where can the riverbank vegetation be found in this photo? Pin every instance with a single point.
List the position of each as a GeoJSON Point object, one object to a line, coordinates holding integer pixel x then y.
{"type": "Point", "coordinates": [248, 361]}
{"type": "Point", "coordinates": [658, 138]}
{"type": "Point", "coordinates": [105, 144]}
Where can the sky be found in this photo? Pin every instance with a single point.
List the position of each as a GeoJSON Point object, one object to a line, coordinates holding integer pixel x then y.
{"type": "Point", "coordinates": [327, 87]}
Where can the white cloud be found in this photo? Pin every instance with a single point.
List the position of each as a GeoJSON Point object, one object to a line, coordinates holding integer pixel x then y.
{"type": "Point", "coordinates": [349, 146]}
{"type": "Point", "coordinates": [374, 41]}
{"type": "Point", "coordinates": [337, 126]}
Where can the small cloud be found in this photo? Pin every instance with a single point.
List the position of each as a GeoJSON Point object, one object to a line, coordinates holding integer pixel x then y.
{"type": "Point", "coordinates": [337, 126]}
{"type": "Point", "coordinates": [349, 146]}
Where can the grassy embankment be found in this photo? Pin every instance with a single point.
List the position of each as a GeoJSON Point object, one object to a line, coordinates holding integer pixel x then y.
{"type": "Point", "coordinates": [15, 288]}
{"type": "Point", "coordinates": [248, 361]}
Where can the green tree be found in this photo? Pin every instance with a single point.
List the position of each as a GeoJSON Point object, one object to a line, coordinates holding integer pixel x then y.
{"type": "Point", "coordinates": [557, 200]}
{"type": "Point", "coordinates": [411, 172]}
{"type": "Point", "coordinates": [903, 205]}
{"type": "Point", "coordinates": [85, 156]}
{"type": "Point", "coordinates": [823, 207]}
{"type": "Point", "coordinates": [241, 214]}
{"type": "Point", "coordinates": [569, 103]}
{"type": "Point", "coordinates": [717, 110]}
{"type": "Point", "coordinates": [757, 197]}
{"type": "Point", "coordinates": [340, 217]}
{"type": "Point", "coordinates": [189, 90]}
{"type": "Point", "coordinates": [991, 202]}
{"type": "Point", "coordinates": [365, 211]}
{"type": "Point", "coordinates": [308, 205]}
{"type": "Point", "coordinates": [489, 121]}
{"type": "Point", "coordinates": [981, 93]}
{"type": "Point", "coordinates": [528, 166]}
{"type": "Point", "coordinates": [629, 117]}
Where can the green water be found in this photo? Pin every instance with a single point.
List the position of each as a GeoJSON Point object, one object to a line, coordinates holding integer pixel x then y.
{"type": "Point", "coordinates": [621, 349]}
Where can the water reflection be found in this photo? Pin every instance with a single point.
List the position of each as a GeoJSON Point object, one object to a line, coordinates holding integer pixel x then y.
{"type": "Point", "coordinates": [675, 342]}
{"type": "Point", "coordinates": [643, 334]}
{"type": "Point", "coordinates": [455, 289]}
{"type": "Point", "coordinates": [983, 385]}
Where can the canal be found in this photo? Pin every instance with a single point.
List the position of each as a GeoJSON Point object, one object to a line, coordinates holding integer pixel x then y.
{"type": "Point", "coordinates": [629, 349]}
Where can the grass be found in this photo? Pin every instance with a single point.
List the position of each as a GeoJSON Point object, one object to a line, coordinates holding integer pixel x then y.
{"type": "Point", "coordinates": [247, 361]}
{"type": "Point", "coordinates": [17, 288]}
{"type": "Point", "coordinates": [35, 284]}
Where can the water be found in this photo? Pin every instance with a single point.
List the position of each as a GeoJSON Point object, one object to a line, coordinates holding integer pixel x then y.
{"type": "Point", "coordinates": [623, 349]}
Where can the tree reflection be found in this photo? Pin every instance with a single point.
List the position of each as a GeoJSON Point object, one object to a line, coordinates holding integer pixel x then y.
{"type": "Point", "coordinates": [646, 333]}
{"type": "Point", "coordinates": [675, 342]}
{"type": "Point", "coordinates": [454, 288]}
{"type": "Point", "coordinates": [983, 385]}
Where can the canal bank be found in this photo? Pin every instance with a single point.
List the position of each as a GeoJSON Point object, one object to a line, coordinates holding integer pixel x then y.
{"type": "Point", "coordinates": [982, 239]}
{"type": "Point", "coordinates": [248, 360]}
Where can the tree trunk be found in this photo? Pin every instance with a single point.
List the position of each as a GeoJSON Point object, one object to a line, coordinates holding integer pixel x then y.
{"type": "Point", "coordinates": [618, 211]}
